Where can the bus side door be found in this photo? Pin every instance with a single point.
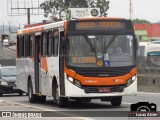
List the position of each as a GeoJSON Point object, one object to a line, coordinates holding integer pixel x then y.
{"type": "Point", "coordinates": [37, 62]}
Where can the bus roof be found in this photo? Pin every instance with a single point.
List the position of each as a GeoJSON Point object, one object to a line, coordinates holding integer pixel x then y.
{"type": "Point", "coordinates": [42, 27]}
{"type": "Point", "coordinates": [100, 18]}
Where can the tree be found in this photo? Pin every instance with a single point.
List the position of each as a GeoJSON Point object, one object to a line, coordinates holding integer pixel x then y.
{"type": "Point", "coordinates": [104, 6]}
{"type": "Point", "coordinates": [52, 6]}
{"type": "Point", "coordinates": [137, 20]}
{"type": "Point", "coordinates": [56, 6]}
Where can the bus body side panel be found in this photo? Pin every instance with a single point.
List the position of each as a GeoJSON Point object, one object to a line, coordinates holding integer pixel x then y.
{"type": "Point", "coordinates": [25, 68]}
{"type": "Point", "coordinates": [53, 71]}
{"type": "Point", "coordinates": [44, 82]}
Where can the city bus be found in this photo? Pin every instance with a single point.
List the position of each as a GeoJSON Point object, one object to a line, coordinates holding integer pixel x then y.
{"type": "Point", "coordinates": [153, 54]}
{"type": "Point", "coordinates": [79, 60]}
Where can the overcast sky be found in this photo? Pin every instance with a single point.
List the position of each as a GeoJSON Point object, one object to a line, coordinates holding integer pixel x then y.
{"type": "Point", "coordinates": [143, 9]}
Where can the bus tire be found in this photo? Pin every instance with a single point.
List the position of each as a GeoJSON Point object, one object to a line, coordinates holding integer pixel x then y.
{"type": "Point", "coordinates": [20, 93]}
{"type": "Point", "coordinates": [41, 99]}
{"type": "Point", "coordinates": [32, 97]}
{"type": "Point", "coordinates": [116, 101]}
{"type": "Point", "coordinates": [87, 100]}
{"type": "Point", "coordinates": [60, 101]}
{"type": "Point", "coordinates": [79, 100]}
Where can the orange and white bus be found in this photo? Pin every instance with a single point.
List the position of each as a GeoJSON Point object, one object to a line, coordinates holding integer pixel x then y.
{"type": "Point", "coordinates": [79, 59]}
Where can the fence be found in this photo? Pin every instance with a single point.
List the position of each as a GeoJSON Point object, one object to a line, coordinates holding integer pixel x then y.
{"type": "Point", "coordinates": [7, 62]}
{"type": "Point", "coordinates": [148, 75]}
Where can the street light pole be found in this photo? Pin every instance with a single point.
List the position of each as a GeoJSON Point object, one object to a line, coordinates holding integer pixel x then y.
{"type": "Point", "coordinates": [28, 15]}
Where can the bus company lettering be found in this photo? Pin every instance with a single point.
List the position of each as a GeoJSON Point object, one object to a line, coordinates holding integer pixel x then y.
{"type": "Point", "coordinates": [99, 25]}
{"type": "Point", "coordinates": [110, 25]}
{"type": "Point", "coordinates": [83, 60]}
{"type": "Point", "coordinates": [86, 25]}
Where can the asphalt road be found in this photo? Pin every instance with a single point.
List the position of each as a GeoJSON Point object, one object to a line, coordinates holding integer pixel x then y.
{"type": "Point", "coordinates": [21, 103]}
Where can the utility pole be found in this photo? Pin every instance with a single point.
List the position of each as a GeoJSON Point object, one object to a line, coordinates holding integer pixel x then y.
{"type": "Point", "coordinates": [19, 26]}
{"type": "Point", "coordinates": [28, 16]}
{"type": "Point", "coordinates": [28, 13]}
{"type": "Point", "coordinates": [23, 7]}
{"type": "Point", "coordinates": [9, 28]}
{"type": "Point", "coordinates": [131, 9]}
{"type": "Point", "coordinates": [3, 27]}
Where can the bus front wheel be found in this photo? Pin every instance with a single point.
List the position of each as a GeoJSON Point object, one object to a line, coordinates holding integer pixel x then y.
{"type": "Point", "coordinates": [60, 101]}
{"type": "Point", "coordinates": [116, 101]}
{"type": "Point", "coordinates": [41, 99]}
{"type": "Point", "coordinates": [32, 97]}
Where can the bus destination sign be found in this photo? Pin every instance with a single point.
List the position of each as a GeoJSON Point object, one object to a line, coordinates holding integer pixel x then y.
{"type": "Point", "coordinates": [99, 25]}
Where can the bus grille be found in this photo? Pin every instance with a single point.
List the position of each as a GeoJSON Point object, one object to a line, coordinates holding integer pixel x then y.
{"type": "Point", "coordinates": [96, 89]}
{"type": "Point", "coordinates": [103, 72]}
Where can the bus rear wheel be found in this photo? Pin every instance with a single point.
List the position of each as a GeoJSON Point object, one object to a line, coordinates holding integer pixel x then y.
{"type": "Point", "coordinates": [41, 99]}
{"type": "Point", "coordinates": [116, 101]}
{"type": "Point", "coordinates": [20, 93]}
{"type": "Point", "coordinates": [32, 97]}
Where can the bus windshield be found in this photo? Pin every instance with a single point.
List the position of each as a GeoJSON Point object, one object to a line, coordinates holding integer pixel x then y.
{"type": "Point", "coordinates": [100, 51]}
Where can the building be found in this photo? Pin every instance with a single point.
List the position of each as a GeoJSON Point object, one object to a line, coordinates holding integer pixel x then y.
{"type": "Point", "coordinates": [147, 32]}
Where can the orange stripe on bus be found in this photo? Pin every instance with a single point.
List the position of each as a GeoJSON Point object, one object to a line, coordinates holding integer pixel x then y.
{"type": "Point", "coordinates": [44, 65]}
{"type": "Point", "coordinates": [134, 71]}
{"type": "Point", "coordinates": [101, 81]}
{"type": "Point", "coordinates": [65, 28]}
{"type": "Point", "coordinates": [32, 30]}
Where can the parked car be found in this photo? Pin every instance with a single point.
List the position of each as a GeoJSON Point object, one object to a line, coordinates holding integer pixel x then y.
{"type": "Point", "coordinates": [156, 42]}
{"type": "Point", "coordinates": [5, 42]}
{"type": "Point", "coordinates": [7, 80]}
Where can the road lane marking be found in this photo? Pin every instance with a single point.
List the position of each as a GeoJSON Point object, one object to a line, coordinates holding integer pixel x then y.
{"type": "Point", "coordinates": [45, 109]}
{"type": "Point", "coordinates": [148, 93]}
{"type": "Point", "coordinates": [127, 103]}
{"type": "Point", "coordinates": [31, 106]}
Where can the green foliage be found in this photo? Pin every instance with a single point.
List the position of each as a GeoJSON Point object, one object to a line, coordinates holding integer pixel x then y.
{"type": "Point", "coordinates": [56, 6]}
{"type": "Point", "coordinates": [137, 20]}
{"type": "Point", "coordinates": [52, 6]}
{"type": "Point", "coordinates": [79, 4]}
{"type": "Point", "coordinates": [103, 5]}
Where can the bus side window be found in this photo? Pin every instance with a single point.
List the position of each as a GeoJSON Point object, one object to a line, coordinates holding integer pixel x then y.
{"type": "Point", "coordinates": [28, 49]}
{"type": "Point", "coordinates": [55, 42]}
{"type": "Point", "coordinates": [20, 46]}
{"type": "Point", "coordinates": [31, 45]}
{"type": "Point", "coordinates": [26, 46]}
{"type": "Point", "coordinates": [47, 43]}
{"type": "Point", "coordinates": [50, 42]}
{"type": "Point", "coordinates": [44, 44]}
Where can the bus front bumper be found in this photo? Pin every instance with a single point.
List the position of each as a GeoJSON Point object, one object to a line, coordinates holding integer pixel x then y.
{"type": "Point", "coordinates": [74, 91]}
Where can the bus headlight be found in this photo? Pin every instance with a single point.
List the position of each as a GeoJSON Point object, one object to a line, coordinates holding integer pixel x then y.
{"type": "Point", "coordinates": [70, 79]}
{"type": "Point", "coordinates": [73, 81]}
{"type": "Point", "coordinates": [130, 81]}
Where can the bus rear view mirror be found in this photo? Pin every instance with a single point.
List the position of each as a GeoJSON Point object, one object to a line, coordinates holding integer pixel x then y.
{"type": "Point", "coordinates": [137, 42]}
{"type": "Point", "coordinates": [64, 43]}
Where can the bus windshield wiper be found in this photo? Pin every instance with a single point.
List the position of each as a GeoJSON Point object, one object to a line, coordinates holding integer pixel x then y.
{"type": "Point", "coordinates": [110, 42]}
{"type": "Point", "coordinates": [89, 43]}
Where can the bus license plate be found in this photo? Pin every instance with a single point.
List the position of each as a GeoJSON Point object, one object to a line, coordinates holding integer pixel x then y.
{"type": "Point", "coordinates": [104, 90]}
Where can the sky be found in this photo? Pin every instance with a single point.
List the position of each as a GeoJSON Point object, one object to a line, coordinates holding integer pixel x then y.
{"type": "Point", "coordinates": [143, 9]}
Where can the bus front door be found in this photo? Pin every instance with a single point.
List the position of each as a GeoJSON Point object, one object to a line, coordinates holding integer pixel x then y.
{"type": "Point", "coordinates": [37, 62]}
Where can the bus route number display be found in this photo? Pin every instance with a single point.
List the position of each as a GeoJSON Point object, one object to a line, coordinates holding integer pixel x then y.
{"type": "Point", "coordinates": [99, 25]}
